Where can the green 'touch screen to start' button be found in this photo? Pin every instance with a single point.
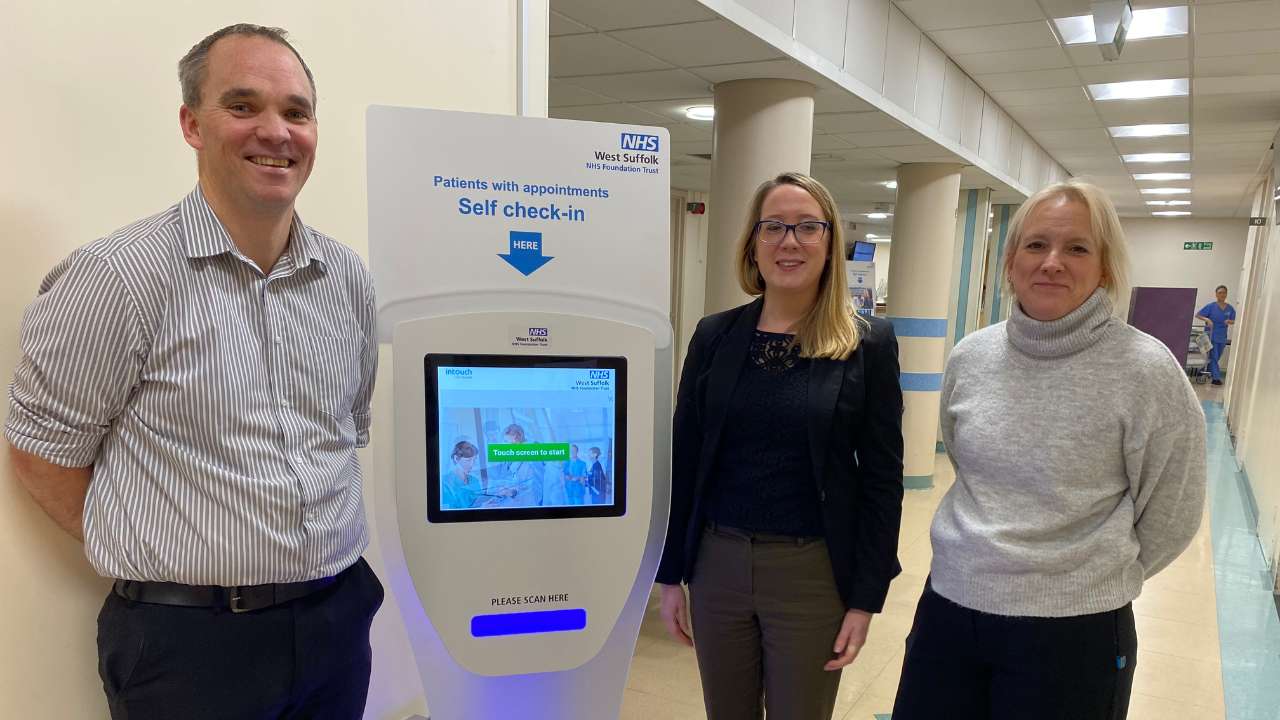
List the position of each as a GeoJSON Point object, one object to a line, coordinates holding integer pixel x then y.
{"type": "Point", "coordinates": [528, 452]}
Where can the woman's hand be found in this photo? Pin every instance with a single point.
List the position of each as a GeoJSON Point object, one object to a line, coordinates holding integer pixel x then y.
{"type": "Point", "coordinates": [675, 613]}
{"type": "Point", "coordinates": [850, 639]}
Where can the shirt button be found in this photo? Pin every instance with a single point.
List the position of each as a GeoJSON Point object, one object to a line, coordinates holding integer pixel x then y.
{"type": "Point", "coordinates": [279, 340]}
{"type": "Point", "coordinates": [284, 403]}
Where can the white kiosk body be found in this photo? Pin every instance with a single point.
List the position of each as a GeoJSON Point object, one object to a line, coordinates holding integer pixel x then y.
{"type": "Point", "coordinates": [523, 269]}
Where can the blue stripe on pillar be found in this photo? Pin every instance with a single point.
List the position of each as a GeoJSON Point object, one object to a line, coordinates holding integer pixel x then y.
{"type": "Point", "coordinates": [998, 280]}
{"type": "Point", "coordinates": [966, 265]}
{"type": "Point", "coordinates": [919, 327]}
{"type": "Point", "coordinates": [920, 382]}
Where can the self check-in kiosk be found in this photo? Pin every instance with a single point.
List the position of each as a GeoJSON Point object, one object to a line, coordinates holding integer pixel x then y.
{"type": "Point", "coordinates": [522, 268]}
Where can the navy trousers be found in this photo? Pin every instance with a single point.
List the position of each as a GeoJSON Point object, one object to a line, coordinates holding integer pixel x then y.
{"type": "Point", "coordinates": [965, 665]}
{"type": "Point", "coordinates": [308, 658]}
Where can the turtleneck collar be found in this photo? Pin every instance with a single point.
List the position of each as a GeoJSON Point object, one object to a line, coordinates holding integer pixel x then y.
{"type": "Point", "coordinates": [1075, 331]}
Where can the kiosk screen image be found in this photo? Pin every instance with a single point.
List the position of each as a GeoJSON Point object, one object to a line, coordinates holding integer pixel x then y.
{"type": "Point", "coordinates": [524, 437]}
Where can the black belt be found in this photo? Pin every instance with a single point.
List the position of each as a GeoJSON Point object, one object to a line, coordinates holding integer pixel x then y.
{"type": "Point", "coordinates": [237, 599]}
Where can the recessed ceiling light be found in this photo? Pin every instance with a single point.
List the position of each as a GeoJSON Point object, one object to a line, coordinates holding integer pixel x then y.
{"type": "Point", "coordinates": [1162, 176]}
{"type": "Point", "coordinates": [1157, 157]}
{"type": "Point", "coordinates": [892, 184]}
{"type": "Point", "coordinates": [1140, 89]}
{"type": "Point", "coordinates": [1165, 191]}
{"type": "Point", "coordinates": [1150, 23]}
{"type": "Point", "coordinates": [700, 112]}
{"type": "Point", "coordinates": [1145, 131]}
{"type": "Point", "coordinates": [1168, 202]}
{"type": "Point", "coordinates": [1171, 213]}
{"type": "Point", "coordinates": [878, 216]}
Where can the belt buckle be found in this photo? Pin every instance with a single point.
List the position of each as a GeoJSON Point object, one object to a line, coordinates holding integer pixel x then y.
{"type": "Point", "coordinates": [236, 601]}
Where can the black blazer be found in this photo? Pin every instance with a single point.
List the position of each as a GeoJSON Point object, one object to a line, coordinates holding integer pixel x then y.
{"type": "Point", "coordinates": [855, 441]}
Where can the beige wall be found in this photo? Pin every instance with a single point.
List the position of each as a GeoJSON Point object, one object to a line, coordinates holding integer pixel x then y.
{"type": "Point", "coordinates": [90, 142]}
{"type": "Point", "coordinates": [1158, 260]}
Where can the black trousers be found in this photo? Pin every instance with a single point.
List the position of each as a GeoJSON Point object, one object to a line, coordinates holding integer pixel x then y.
{"type": "Point", "coordinates": [965, 665]}
{"type": "Point", "coordinates": [308, 658]}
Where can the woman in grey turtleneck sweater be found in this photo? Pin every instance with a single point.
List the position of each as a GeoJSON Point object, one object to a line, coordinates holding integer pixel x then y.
{"type": "Point", "coordinates": [1078, 447]}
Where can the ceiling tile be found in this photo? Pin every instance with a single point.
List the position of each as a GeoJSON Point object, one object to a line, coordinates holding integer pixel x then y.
{"type": "Point", "coordinates": [1066, 97]}
{"type": "Point", "coordinates": [1236, 16]}
{"type": "Point", "coordinates": [1237, 43]}
{"type": "Point", "coordinates": [888, 138]}
{"type": "Point", "coordinates": [1142, 112]}
{"type": "Point", "coordinates": [1136, 51]}
{"type": "Point", "coordinates": [716, 42]}
{"type": "Point", "coordinates": [597, 55]}
{"type": "Point", "coordinates": [1029, 80]}
{"type": "Point", "coordinates": [830, 142]}
{"type": "Point", "coordinates": [785, 69]}
{"type": "Point", "coordinates": [1055, 117]}
{"type": "Point", "coordinates": [992, 62]}
{"type": "Point", "coordinates": [920, 153]}
{"type": "Point", "coordinates": [1263, 64]}
{"type": "Point", "coordinates": [855, 122]}
{"type": "Point", "coordinates": [1204, 87]}
{"type": "Point", "coordinates": [618, 15]}
{"type": "Point", "coordinates": [1237, 108]}
{"type": "Point", "coordinates": [836, 100]}
{"type": "Point", "coordinates": [561, 93]}
{"type": "Point", "coordinates": [689, 131]}
{"type": "Point", "coordinates": [1129, 146]}
{"type": "Point", "coordinates": [674, 110]}
{"type": "Point", "coordinates": [558, 24]}
{"type": "Point", "coordinates": [635, 87]}
{"type": "Point", "coordinates": [1128, 72]}
{"type": "Point", "coordinates": [1073, 139]}
{"type": "Point", "coordinates": [621, 113]}
{"type": "Point", "coordinates": [996, 38]}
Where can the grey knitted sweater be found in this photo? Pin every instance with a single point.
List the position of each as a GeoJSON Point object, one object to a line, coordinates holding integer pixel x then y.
{"type": "Point", "coordinates": [1079, 451]}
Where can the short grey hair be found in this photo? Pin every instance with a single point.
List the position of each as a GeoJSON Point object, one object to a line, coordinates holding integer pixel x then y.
{"type": "Point", "coordinates": [194, 66]}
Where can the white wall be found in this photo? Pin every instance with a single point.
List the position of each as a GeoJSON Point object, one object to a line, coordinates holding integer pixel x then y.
{"type": "Point", "coordinates": [91, 142]}
{"type": "Point", "coordinates": [1158, 260]}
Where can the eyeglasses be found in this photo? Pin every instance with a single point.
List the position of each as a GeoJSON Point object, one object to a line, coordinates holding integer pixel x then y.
{"type": "Point", "coordinates": [772, 232]}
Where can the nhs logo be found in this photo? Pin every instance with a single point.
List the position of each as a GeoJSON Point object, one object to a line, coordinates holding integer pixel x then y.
{"type": "Point", "coordinates": [599, 374]}
{"type": "Point", "coordinates": [635, 141]}
{"type": "Point", "coordinates": [539, 332]}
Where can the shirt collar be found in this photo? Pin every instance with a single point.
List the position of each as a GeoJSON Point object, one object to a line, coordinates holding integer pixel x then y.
{"type": "Point", "coordinates": [206, 236]}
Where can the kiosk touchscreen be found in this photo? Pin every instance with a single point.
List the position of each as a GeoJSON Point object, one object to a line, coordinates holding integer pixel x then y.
{"type": "Point", "coordinates": [525, 437]}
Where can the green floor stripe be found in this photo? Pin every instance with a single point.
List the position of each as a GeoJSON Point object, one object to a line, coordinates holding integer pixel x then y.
{"type": "Point", "coordinates": [917, 482]}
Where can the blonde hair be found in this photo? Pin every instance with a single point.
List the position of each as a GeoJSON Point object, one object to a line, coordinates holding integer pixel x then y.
{"type": "Point", "coordinates": [831, 328]}
{"type": "Point", "coordinates": [1104, 223]}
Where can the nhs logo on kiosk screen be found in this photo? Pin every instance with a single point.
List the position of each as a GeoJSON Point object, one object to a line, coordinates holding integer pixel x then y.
{"type": "Point", "coordinates": [636, 141]}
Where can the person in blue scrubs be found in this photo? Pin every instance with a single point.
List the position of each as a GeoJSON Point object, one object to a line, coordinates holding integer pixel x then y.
{"type": "Point", "coordinates": [575, 477]}
{"type": "Point", "coordinates": [459, 489]}
{"type": "Point", "coordinates": [1217, 315]}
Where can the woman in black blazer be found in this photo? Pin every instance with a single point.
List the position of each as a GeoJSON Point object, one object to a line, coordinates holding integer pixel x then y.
{"type": "Point", "coordinates": [787, 470]}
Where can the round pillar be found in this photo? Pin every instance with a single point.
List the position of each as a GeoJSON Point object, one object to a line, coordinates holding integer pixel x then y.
{"type": "Point", "coordinates": [762, 128]}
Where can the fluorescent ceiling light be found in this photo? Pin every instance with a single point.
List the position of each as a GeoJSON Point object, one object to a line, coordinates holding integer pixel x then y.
{"type": "Point", "coordinates": [1146, 131]}
{"type": "Point", "coordinates": [892, 184]}
{"type": "Point", "coordinates": [1165, 191]}
{"type": "Point", "coordinates": [1157, 157]}
{"type": "Point", "coordinates": [1162, 176]}
{"type": "Point", "coordinates": [1150, 23]}
{"type": "Point", "coordinates": [879, 216]}
{"type": "Point", "coordinates": [1171, 213]}
{"type": "Point", "coordinates": [700, 112]}
{"type": "Point", "coordinates": [880, 240]}
{"type": "Point", "coordinates": [1140, 89]}
{"type": "Point", "coordinates": [1168, 202]}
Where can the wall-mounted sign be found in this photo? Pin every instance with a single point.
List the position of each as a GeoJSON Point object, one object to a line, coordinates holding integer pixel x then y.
{"type": "Point", "coordinates": [1257, 221]}
{"type": "Point", "coordinates": [1197, 246]}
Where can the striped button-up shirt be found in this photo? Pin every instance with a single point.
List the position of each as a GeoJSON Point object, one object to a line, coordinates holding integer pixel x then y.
{"type": "Point", "coordinates": [220, 407]}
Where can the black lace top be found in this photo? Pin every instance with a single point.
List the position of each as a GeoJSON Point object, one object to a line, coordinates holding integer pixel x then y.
{"type": "Point", "coordinates": [763, 479]}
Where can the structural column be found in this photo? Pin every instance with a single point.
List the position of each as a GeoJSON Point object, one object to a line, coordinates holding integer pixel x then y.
{"type": "Point", "coordinates": [762, 128]}
{"type": "Point", "coordinates": [924, 233]}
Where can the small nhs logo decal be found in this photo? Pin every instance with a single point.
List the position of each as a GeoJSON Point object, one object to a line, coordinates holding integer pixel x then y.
{"type": "Point", "coordinates": [635, 141]}
{"type": "Point", "coordinates": [539, 332]}
{"type": "Point", "coordinates": [599, 374]}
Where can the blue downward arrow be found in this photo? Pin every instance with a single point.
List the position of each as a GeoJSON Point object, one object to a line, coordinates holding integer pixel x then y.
{"type": "Point", "coordinates": [526, 252]}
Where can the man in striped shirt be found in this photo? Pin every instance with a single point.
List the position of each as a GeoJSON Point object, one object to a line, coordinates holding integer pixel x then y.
{"type": "Point", "coordinates": [191, 394]}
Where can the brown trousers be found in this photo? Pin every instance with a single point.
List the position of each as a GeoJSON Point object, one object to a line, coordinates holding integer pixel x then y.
{"type": "Point", "coordinates": [765, 613]}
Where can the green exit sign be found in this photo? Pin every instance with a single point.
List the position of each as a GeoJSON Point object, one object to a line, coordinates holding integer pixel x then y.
{"type": "Point", "coordinates": [1197, 246]}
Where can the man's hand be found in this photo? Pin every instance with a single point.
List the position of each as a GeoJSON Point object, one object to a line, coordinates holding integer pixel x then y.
{"type": "Point", "coordinates": [675, 613]}
{"type": "Point", "coordinates": [850, 639]}
{"type": "Point", "coordinates": [59, 491]}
